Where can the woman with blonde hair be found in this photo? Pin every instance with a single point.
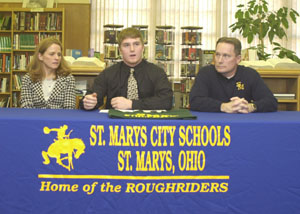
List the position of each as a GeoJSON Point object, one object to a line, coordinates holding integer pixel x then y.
{"type": "Point", "coordinates": [49, 82]}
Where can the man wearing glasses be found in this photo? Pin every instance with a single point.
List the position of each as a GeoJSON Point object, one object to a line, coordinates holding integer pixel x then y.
{"type": "Point", "coordinates": [228, 87]}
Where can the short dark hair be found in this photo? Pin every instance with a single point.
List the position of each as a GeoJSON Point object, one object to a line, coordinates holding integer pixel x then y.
{"type": "Point", "coordinates": [129, 33]}
{"type": "Point", "coordinates": [234, 41]}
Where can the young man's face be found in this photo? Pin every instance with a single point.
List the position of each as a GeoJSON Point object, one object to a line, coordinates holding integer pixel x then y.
{"type": "Point", "coordinates": [226, 61]}
{"type": "Point", "coordinates": [132, 51]}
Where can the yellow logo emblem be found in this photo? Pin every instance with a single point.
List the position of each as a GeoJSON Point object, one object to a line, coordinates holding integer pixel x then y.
{"type": "Point", "coordinates": [240, 86]}
{"type": "Point", "coordinates": [63, 145]}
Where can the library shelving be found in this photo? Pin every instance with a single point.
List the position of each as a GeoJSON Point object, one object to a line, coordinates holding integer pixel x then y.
{"type": "Point", "coordinates": [285, 85]}
{"type": "Point", "coordinates": [144, 31]}
{"type": "Point", "coordinates": [191, 56]}
{"type": "Point", "coordinates": [21, 30]}
{"type": "Point", "coordinates": [111, 50]}
{"type": "Point", "coordinates": [164, 48]}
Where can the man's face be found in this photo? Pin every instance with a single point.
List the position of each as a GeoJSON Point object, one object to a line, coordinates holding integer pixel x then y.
{"type": "Point", "coordinates": [226, 60]}
{"type": "Point", "coordinates": [132, 51]}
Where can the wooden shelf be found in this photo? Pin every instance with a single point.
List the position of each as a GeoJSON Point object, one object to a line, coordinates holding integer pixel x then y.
{"type": "Point", "coordinates": [27, 25]}
{"type": "Point", "coordinates": [285, 81]}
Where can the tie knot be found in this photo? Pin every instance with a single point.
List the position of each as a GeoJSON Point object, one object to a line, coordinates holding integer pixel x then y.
{"type": "Point", "coordinates": [131, 70]}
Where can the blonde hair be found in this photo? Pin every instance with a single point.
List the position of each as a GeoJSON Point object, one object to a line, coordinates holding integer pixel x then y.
{"type": "Point", "coordinates": [35, 68]}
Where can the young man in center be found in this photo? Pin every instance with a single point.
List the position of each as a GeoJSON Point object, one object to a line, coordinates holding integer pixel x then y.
{"type": "Point", "coordinates": [228, 87]}
{"type": "Point", "coordinates": [154, 90]}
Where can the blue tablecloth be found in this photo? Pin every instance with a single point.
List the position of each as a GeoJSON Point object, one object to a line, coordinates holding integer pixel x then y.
{"type": "Point", "coordinates": [219, 163]}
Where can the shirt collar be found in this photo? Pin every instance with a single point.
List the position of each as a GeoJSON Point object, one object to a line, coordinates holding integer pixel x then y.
{"type": "Point", "coordinates": [136, 68]}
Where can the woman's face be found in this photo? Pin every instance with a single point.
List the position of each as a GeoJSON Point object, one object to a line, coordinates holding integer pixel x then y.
{"type": "Point", "coordinates": [51, 58]}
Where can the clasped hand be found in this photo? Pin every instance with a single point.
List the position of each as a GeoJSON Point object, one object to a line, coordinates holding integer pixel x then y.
{"type": "Point", "coordinates": [236, 105]}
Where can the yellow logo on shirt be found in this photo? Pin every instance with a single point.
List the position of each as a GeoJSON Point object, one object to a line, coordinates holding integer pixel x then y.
{"type": "Point", "coordinates": [63, 148]}
{"type": "Point", "coordinates": [240, 86]}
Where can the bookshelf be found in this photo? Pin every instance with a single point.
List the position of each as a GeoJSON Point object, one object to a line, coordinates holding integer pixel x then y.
{"type": "Point", "coordinates": [191, 56]}
{"type": "Point", "coordinates": [284, 82]}
{"type": "Point", "coordinates": [19, 37]}
{"type": "Point", "coordinates": [164, 48]}
{"type": "Point", "coordinates": [144, 31]}
{"type": "Point", "coordinates": [111, 50]}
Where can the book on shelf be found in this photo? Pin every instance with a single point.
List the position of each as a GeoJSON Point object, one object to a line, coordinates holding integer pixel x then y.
{"type": "Point", "coordinates": [186, 85]}
{"type": "Point", "coordinates": [22, 21]}
{"type": "Point", "coordinates": [4, 102]}
{"type": "Point", "coordinates": [145, 53]}
{"type": "Point", "coordinates": [3, 84]}
{"type": "Point", "coordinates": [5, 63]}
{"type": "Point", "coordinates": [207, 57]}
{"type": "Point", "coordinates": [111, 36]}
{"type": "Point", "coordinates": [17, 81]}
{"type": "Point", "coordinates": [75, 53]}
{"type": "Point", "coordinates": [43, 21]}
{"type": "Point", "coordinates": [159, 52]}
{"type": "Point", "coordinates": [164, 52]}
{"type": "Point", "coordinates": [274, 63]}
{"type": "Point", "coordinates": [191, 38]}
{"type": "Point", "coordinates": [5, 22]}
{"type": "Point", "coordinates": [85, 62]}
{"type": "Point", "coordinates": [5, 43]}
{"type": "Point", "coordinates": [191, 53]}
{"type": "Point", "coordinates": [285, 96]}
{"type": "Point", "coordinates": [164, 37]}
{"type": "Point", "coordinates": [111, 51]}
{"type": "Point", "coordinates": [189, 70]}
{"type": "Point", "coordinates": [21, 61]}
{"type": "Point", "coordinates": [144, 35]}
{"type": "Point", "coordinates": [168, 67]}
{"type": "Point", "coordinates": [25, 41]}
{"type": "Point", "coordinates": [15, 100]}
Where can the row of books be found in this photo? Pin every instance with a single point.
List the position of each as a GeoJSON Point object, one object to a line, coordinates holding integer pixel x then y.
{"type": "Point", "coordinates": [5, 63]}
{"type": "Point", "coordinates": [191, 54]}
{"type": "Point", "coordinates": [25, 41]}
{"type": "Point", "coordinates": [111, 36]}
{"type": "Point", "coordinates": [4, 102]}
{"type": "Point", "coordinates": [191, 38]}
{"type": "Point", "coordinates": [38, 21]}
{"type": "Point", "coordinates": [186, 85]}
{"type": "Point", "coordinates": [168, 68]}
{"type": "Point", "coordinates": [17, 81]}
{"type": "Point", "coordinates": [16, 100]}
{"type": "Point", "coordinates": [111, 52]}
{"type": "Point", "coordinates": [5, 43]}
{"type": "Point", "coordinates": [185, 102]}
{"type": "Point", "coordinates": [29, 41]}
{"type": "Point", "coordinates": [4, 81]}
{"type": "Point", "coordinates": [5, 22]}
{"type": "Point", "coordinates": [164, 37]}
{"type": "Point", "coordinates": [164, 52]}
{"type": "Point", "coordinates": [21, 61]}
{"type": "Point", "coordinates": [189, 70]}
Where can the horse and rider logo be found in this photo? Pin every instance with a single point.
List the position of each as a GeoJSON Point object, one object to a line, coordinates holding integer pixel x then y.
{"type": "Point", "coordinates": [63, 148]}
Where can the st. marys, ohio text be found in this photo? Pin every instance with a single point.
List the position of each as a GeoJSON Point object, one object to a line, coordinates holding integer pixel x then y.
{"type": "Point", "coordinates": [163, 138]}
